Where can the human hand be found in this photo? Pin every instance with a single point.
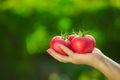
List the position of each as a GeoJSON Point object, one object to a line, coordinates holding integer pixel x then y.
{"type": "Point", "coordinates": [89, 59]}
{"type": "Point", "coordinates": [96, 59]}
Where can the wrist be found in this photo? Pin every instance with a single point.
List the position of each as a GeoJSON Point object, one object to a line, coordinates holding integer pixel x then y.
{"type": "Point", "coordinates": [99, 60]}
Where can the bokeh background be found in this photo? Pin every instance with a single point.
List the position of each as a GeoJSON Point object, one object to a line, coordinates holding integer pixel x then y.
{"type": "Point", "coordinates": [27, 26]}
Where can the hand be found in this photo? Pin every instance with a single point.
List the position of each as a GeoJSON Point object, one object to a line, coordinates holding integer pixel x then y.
{"type": "Point", "coordinates": [89, 59]}
{"type": "Point", "coordinates": [96, 59]}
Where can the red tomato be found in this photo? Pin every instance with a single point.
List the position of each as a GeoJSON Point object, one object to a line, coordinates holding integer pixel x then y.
{"type": "Point", "coordinates": [84, 44]}
{"type": "Point", "coordinates": [71, 37]}
{"type": "Point", "coordinates": [56, 41]}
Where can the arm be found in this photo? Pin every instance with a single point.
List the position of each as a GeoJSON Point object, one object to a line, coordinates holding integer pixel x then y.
{"type": "Point", "coordinates": [108, 67]}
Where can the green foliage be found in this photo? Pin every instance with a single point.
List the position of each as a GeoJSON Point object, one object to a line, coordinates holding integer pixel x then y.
{"type": "Point", "coordinates": [36, 39]}
{"type": "Point", "coordinates": [27, 26]}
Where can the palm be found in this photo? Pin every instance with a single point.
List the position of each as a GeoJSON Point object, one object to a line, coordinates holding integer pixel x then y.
{"type": "Point", "coordinates": [76, 58]}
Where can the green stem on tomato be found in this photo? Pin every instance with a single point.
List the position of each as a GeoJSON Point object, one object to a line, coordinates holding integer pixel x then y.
{"type": "Point", "coordinates": [64, 36]}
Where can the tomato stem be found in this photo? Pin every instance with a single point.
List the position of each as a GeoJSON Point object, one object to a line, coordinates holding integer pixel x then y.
{"type": "Point", "coordinates": [81, 33]}
{"type": "Point", "coordinates": [64, 36]}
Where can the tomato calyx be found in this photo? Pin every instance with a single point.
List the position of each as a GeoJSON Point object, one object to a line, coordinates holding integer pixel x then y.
{"type": "Point", "coordinates": [64, 36]}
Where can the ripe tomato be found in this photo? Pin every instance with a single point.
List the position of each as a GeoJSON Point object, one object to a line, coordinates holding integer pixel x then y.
{"type": "Point", "coordinates": [56, 41]}
{"type": "Point", "coordinates": [71, 37]}
{"type": "Point", "coordinates": [83, 45]}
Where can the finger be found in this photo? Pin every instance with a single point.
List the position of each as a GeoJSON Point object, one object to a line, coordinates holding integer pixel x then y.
{"type": "Point", "coordinates": [58, 57]}
{"type": "Point", "coordinates": [66, 50]}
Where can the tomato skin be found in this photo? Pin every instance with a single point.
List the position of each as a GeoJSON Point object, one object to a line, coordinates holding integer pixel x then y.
{"type": "Point", "coordinates": [83, 45]}
{"type": "Point", "coordinates": [56, 41]}
{"type": "Point", "coordinates": [71, 37]}
{"type": "Point", "coordinates": [92, 39]}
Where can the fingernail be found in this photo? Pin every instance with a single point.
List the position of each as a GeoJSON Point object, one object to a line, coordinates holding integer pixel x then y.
{"type": "Point", "coordinates": [49, 51]}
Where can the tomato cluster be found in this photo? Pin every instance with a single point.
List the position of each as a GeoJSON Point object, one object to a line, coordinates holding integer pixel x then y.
{"type": "Point", "coordinates": [78, 44]}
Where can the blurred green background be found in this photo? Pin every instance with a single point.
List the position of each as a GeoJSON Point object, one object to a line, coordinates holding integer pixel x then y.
{"type": "Point", "coordinates": [27, 26]}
